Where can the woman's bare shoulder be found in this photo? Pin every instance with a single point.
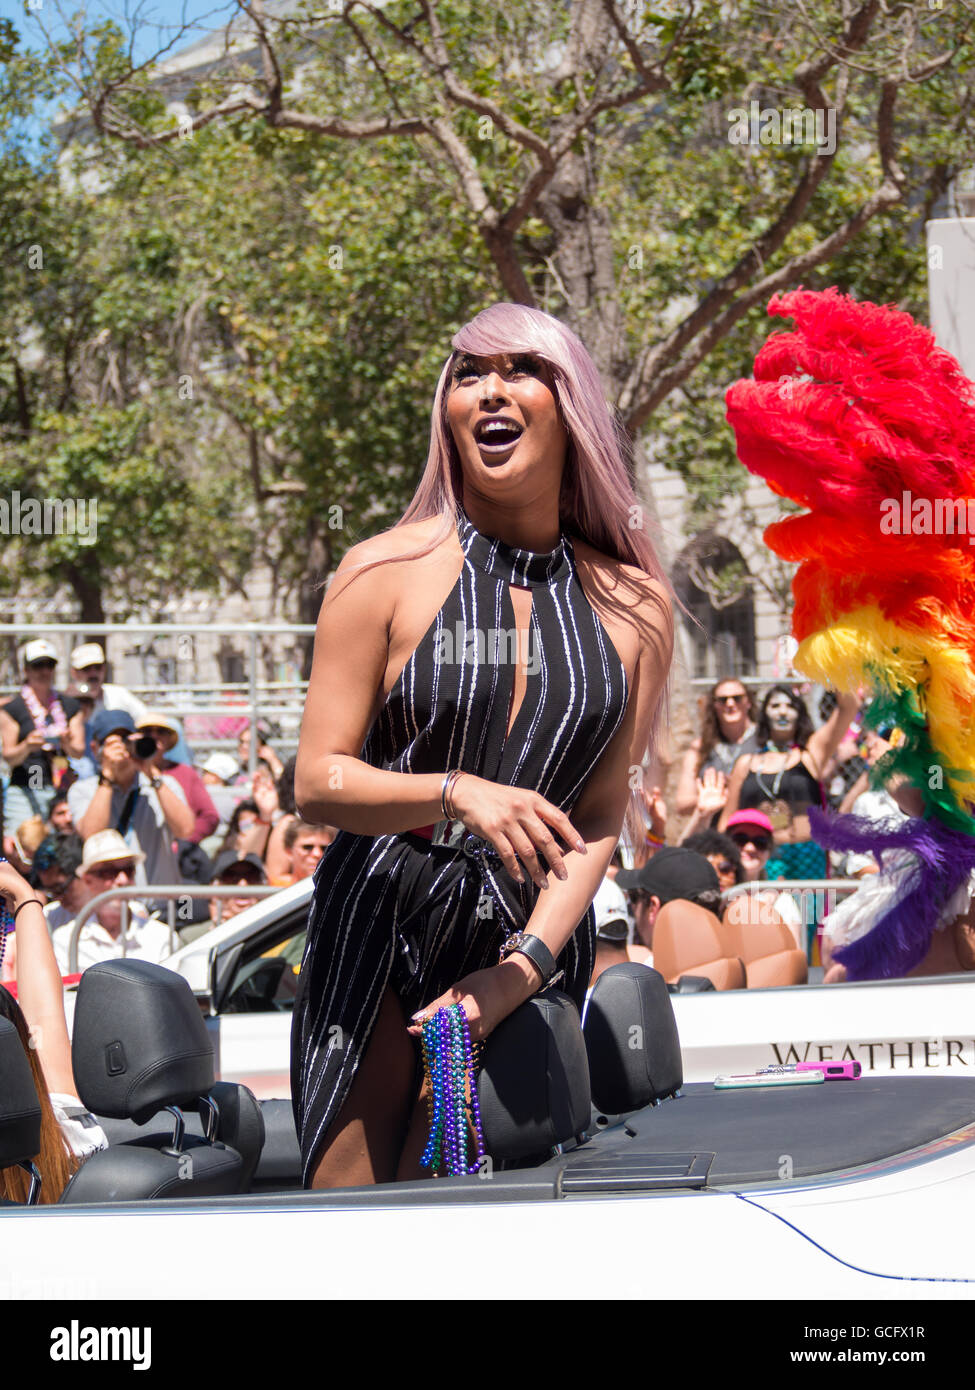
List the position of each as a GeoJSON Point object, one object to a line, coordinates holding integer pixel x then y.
{"type": "Point", "coordinates": [399, 542]}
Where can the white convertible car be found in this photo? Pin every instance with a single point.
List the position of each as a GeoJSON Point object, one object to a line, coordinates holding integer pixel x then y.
{"type": "Point", "coordinates": [848, 1188]}
{"type": "Point", "coordinates": [244, 975]}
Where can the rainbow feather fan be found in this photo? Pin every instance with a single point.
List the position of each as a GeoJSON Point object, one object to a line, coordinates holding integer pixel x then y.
{"type": "Point", "coordinates": [863, 420]}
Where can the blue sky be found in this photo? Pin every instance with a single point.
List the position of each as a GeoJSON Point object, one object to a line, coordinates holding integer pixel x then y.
{"type": "Point", "coordinates": [156, 22]}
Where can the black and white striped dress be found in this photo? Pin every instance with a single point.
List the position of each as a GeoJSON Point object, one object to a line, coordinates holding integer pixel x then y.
{"type": "Point", "coordinates": [402, 911]}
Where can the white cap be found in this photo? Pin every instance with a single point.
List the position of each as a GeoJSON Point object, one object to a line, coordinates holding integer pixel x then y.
{"type": "Point", "coordinates": [222, 765]}
{"type": "Point", "coordinates": [39, 650]}
{"type": "Point", "coordinates": [104, 847]}
{"type": "Point", "coordinates": [88, 654]}
{"type": "Point", "coordinates": [610, 905]}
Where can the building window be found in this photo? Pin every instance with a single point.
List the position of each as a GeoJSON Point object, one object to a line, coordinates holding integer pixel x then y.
{"type": "Point", "coordinates": [713, 582]}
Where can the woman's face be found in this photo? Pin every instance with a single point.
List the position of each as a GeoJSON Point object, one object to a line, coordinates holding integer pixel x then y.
{"type": "Point", "coordinates": [529, 445]}
{"type": "Point", "coordinates": [782, 715]}
{"type": "Point", "coordinates": [755, 847]}
{"type": "Point", "coordinates": [724, 868]}
{"type": "Point", "coordinates": [731, 705]}
{"type": "Point", "coordinates": [40, 675]}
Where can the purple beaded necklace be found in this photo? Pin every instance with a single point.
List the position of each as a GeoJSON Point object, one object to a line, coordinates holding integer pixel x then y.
{"type": "Point", "coordinates": [6, 921]}
{"type": "Point", "coordinates": [448, 1058]}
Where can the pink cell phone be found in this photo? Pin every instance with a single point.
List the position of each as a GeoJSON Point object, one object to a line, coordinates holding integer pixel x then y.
{"type": "Point", "coordinates": [833, 1071]}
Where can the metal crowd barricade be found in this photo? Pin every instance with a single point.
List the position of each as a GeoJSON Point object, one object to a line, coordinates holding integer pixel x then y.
{"type": "Point", "coordinates": [156, 892]}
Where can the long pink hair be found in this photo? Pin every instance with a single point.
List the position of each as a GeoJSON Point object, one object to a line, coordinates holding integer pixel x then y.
{"type": "Point", "coordinates": [597, 502]}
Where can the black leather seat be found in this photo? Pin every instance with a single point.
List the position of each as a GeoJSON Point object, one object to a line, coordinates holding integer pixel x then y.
{"type": "Point", "coordinates": [20, 1109]}
{"type": "Point", "coordinates": [533, 1086]}
{"type": "Point", "coordinates": [140, 1046]}
{"type": "Point", "coordinates": [631, 1040]}
{"type": "Point", "coordinates": [239, 1125]}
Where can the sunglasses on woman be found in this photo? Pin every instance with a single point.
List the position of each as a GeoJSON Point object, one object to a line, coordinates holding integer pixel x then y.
{"type": "Point", "coordinates": [760, 842]}
{"type": "Point", "coordinates": [729, 699]}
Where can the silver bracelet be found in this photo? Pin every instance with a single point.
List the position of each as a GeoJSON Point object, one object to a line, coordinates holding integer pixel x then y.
{"type": "Point", "coordinates": [448, 783]}
{"type": "Point", "coordinates": [443, 794]}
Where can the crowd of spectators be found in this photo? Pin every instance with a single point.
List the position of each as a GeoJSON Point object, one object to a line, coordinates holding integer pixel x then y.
{"type": "Point", "coordinates": [99, 798]}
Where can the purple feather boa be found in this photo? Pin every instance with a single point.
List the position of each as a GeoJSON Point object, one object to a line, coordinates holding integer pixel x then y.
{"type": "Point", "coordinates": [944, 859]}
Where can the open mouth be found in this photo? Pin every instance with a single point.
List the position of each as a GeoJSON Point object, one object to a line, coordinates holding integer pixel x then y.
{"type": "Point", "coordinates": [498, 436]}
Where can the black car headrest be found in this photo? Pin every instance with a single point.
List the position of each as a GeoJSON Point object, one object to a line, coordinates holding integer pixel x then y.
{"type": "Point", "coordinates": [139, 1042]}
{"type": "Point", "coordinates": [692, 984]}
{"type": "Point", "coordinates": [240, 1125]}
{"type": "Point", "coordinates": [631, 1038]}
{"type": "Point", "coordinates": [20, 1107]}
{"type": "Point", "coordinates": [533, 1086]}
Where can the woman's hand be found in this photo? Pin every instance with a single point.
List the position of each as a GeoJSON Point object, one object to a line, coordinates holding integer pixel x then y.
{"type": "Point", "coordinates": [656, 811]}
{"type": "Point", "coordinates": [14, 889]}
{"type": "Point", "coordinates": [517, 822]}
{"type": "Point", "coordinates": [712, 792]}
{"type": "Point", "coordinates": [265, 795]}
{"type": "Point", "coordinates": [488, 996]}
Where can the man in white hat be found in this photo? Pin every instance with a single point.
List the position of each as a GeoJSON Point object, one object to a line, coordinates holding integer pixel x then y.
{"type": "Point", "coordinates": [88, 668]}
{"type": "Point", "coordinates": [108, 862]}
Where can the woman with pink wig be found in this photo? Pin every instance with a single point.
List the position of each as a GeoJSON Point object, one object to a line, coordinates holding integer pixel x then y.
{"type": "Point", "coordinates": [486, 686]}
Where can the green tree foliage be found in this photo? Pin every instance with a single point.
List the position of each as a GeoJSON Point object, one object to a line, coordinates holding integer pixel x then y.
{"type": "Point", "coordinates": [293, 251]}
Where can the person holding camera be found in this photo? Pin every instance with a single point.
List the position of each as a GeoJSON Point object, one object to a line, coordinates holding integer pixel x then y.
{"type": "Point", "coordinates": [129, 795]}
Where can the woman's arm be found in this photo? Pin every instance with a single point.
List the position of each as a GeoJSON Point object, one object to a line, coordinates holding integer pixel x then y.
{"type": "Point", "coordinates": [739, 772]}
{"type": "Point", "coordinates": [12, 746]}
{"type": "Point", "coordinates": [825, 741]}
{"type": "Point", "coordinates": [73, 742]}
{"type": "Point", "coordinates": [333, 786]}
{"type": "Point", "coordinates": [39, 990]}
{"type": "Point", "coordinates": [685, 799]}
{"type": "Point", "coordinates": [600, 810]}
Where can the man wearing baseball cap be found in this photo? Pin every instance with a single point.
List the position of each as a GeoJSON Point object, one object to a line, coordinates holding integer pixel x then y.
{"type": "Point", "coordinates": [40, 729]}
{"type": "Point", "coordinates": [614, 923]}
{"type": "Point", "coordinates": [129, 795]}
{"type": "Point", "coordinates": [670, 873]}
{"type": "Point", "coordinates": [108, 862]}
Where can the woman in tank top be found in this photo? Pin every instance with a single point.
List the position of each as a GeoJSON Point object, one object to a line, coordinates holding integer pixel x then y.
{"type": "Point", "coordinates": [727, 732]}
{"type": "Point", "coordinates": [513, 626]}
{"type": "Point", "coordinates": [783, 778]}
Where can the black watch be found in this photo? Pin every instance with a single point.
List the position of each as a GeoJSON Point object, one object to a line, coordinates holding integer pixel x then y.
{"type": "Point", "coordinates": [526, 944]}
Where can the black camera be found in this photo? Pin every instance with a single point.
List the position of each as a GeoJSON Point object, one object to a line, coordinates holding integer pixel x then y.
{"type": "Point", "coordinates": [144, 746]}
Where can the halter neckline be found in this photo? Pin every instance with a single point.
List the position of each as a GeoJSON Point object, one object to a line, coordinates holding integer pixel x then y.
{"type": "Point", "coordinates": [511, 562]}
